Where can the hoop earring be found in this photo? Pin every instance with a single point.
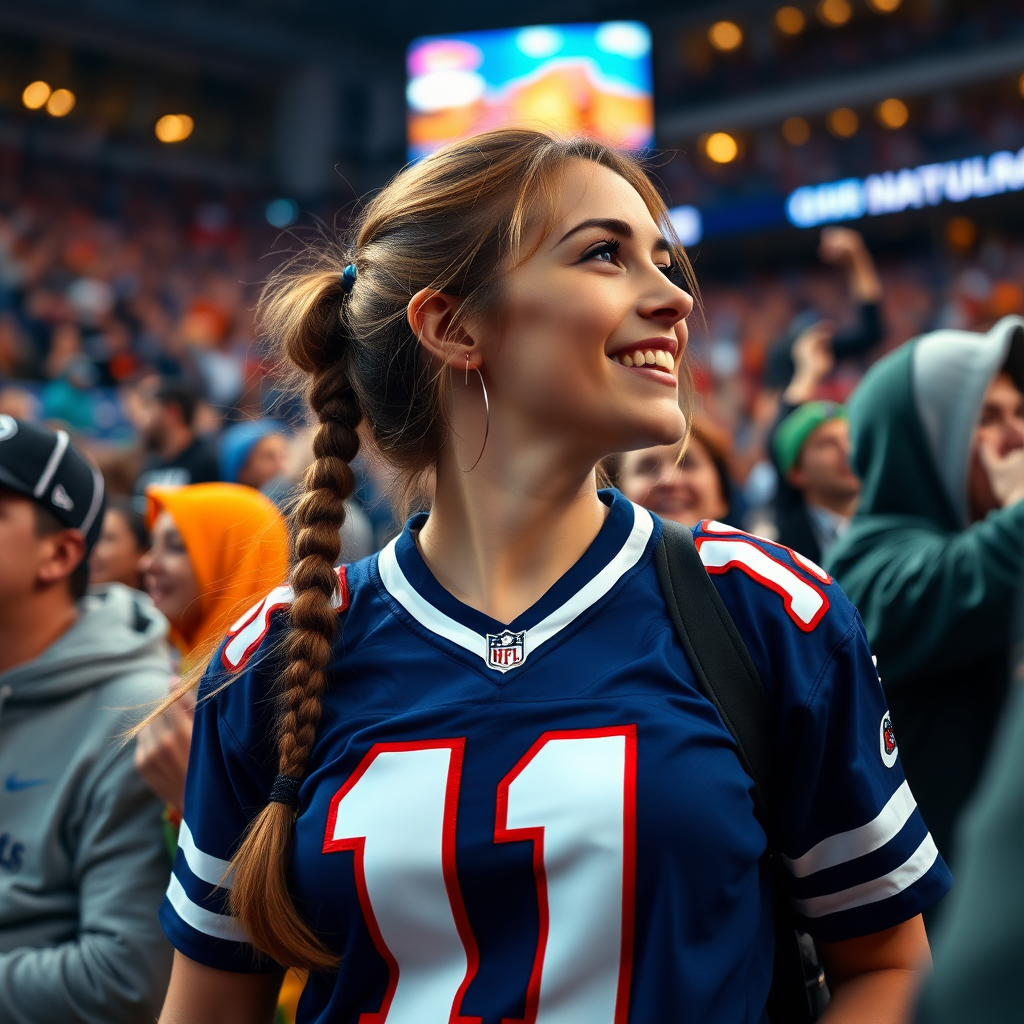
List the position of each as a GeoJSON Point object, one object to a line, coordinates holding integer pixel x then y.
{"type": "Point", "coordinates": [487, 414]}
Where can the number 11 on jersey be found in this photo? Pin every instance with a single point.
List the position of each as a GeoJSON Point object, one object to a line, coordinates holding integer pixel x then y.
{"type": "Point", "coordinates": [573, 796]}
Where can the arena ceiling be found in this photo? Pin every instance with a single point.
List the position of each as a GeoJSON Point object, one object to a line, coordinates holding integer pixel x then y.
{"type": "Point", "coordinates": [256, 37]}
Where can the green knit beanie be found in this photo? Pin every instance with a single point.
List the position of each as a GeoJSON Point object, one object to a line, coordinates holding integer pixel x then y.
{"type": "Point", "coordinates": [792, 433]}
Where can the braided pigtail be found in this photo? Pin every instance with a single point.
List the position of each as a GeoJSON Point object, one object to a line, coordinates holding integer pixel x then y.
{"type": "Point", "coordinates": [308, 317]}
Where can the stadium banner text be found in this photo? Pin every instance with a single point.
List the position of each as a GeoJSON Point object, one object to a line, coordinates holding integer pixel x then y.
{"type": "Point", "coordinates": [911, 188]}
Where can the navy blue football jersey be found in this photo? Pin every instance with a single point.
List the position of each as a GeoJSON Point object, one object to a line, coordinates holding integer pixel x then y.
{"type": "Point", "coordinates": [546, 820]}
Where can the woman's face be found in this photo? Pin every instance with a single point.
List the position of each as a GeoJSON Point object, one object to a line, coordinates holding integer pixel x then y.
{"type": "Point", "coordinates": [686, 493]}
{"type": "Point", "coordinates": [588, 345]}
{"type": "Point", "coordinates": [115, 558]}
{"type": "Point", "coordinates": [169, 577]}
{"type": "Point", "coordinates": [266, 461]}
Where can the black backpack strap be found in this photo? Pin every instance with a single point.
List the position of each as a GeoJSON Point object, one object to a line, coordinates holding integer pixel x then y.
{"type": "Point", "coordinates": [729, 679]}
{"type": "Point", "coordinates": [719, 658]}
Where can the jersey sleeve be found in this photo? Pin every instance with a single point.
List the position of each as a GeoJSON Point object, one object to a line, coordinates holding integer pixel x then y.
{"type": "Point", "coordinates": [859, 856]}
{"type": "Point", "coordinates": [230, 772]}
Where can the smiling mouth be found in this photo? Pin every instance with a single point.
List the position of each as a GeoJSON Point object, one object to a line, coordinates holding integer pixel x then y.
{"type": "Point", "coordinates": [656, 359]}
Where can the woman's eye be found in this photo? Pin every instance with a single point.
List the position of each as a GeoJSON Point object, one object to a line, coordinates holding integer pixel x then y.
{"type": "Point", "coordinates": [605, 252]}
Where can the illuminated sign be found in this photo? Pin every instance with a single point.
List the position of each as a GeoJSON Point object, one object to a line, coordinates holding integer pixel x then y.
{"type": "Point", "coordinates": [911, 188]}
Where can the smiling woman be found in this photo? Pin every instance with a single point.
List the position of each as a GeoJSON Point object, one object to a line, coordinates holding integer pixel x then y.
{"type": "Point", "coordinates": [498, 791]}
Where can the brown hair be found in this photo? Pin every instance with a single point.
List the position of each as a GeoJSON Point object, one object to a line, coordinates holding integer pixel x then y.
{"type": "Point", "coordinates": [455, 222]}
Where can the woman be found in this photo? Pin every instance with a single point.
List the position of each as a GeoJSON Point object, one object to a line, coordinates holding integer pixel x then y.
{"type": "Point", "coordinates": [688, 489]}
{"type": "Point", "coordinates": [497, 792]}
{"type": "Point", "coordinates": [123, 540]}
{"type": "Point", "coordinates": [213, 546]}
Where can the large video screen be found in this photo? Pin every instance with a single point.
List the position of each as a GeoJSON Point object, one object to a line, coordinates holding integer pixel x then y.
{"type": "Point", "coordinates": [594, 79]}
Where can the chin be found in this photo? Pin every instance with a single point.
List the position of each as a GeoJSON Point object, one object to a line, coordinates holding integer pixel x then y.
{"type": "Point", "coordinates": [659, 423]}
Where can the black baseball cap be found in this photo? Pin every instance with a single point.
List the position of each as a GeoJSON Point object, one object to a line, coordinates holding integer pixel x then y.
{"type": "Point", "coordinates": [44, 465]}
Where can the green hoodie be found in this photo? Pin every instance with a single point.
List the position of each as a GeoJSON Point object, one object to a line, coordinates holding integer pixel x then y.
{"type": "Point", "coordinates": [936, 592]}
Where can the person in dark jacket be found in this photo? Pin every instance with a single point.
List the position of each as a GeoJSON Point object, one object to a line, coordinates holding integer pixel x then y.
{"type": "Point", "coordinates": [935, 552]}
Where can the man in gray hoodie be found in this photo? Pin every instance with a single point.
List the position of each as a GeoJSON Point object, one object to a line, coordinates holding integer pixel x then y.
{"type": "Point", "coordinates": [83, 866]}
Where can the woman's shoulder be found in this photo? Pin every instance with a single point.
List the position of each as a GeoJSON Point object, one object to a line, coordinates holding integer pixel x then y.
{"type": "Point", "coordinates": [791, 613]}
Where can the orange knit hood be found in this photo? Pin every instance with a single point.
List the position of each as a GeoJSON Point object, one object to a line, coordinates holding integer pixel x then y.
{"type": "Point", "coordinates": [238, 545]}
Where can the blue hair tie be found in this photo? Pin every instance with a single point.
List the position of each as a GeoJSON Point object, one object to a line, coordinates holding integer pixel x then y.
{"type": "Point", "coordinates": [348, 278]}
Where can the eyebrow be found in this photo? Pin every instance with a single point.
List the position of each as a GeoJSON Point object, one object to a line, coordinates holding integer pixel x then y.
{"type": "Point", "coordinates": [616, 226]}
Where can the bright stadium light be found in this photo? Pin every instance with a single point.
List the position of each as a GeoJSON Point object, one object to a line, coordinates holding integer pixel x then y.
{"type": "Point", "coordinates": [36, 94]}
{"type": "Point", "coordinates": [688, 224]}
{"type": "Point", "coordinates": [725, 36]}
{"type": "Point", "coordinates": [892, 113]}
{"type": "Point", "coordinates": [790, 20]}
{"type": "Point", "coordinates": [721, 147]}
{"type": "Point", "coordinates": [835, 12]}
{"type": "Point", "coordinates": [885, 6]}
{"type": "Point", "coordinates": [174, 127]}
{"type": "Point", "coordinates": [60, 103]}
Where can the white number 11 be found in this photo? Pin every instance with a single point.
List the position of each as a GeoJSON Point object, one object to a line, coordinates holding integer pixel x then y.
{"type": "Point", "coordinates": [573, 795]}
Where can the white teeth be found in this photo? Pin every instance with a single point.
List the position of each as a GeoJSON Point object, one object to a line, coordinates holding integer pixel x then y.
{"type": "Point", "coordinates": [653, 357]}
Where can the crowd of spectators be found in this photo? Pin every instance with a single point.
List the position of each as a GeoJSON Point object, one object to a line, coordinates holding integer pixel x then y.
{"type": "Point", "coordinates": [127, 310]}
{"type": "Point", "coordinates": [126, 326]}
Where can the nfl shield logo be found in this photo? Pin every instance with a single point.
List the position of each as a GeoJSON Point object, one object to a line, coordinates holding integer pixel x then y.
{"type": "Point", "coordinates": [506, 650]}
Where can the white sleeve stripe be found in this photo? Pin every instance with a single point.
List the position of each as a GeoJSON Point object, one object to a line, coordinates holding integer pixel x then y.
{"type": "Point", "coordinates": [858, 842]}
{"type": "Point", "coordinates": [878, 889]}
{"type": "Point", "coordinates": [210, 869]}
{"type": "Point", "coordinates": [219, 926]}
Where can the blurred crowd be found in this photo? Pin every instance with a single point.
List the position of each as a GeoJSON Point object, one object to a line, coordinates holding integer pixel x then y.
{"type": "Point", "coordinates": [126, 342]}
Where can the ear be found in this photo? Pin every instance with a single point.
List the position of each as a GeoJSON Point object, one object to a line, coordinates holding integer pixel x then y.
{"type": "Point", "coordinates": [431, 316]}
{"type": "Point", "coordinates": [797, 478]}
{"type": "Point", "coordinates": [61, 556]}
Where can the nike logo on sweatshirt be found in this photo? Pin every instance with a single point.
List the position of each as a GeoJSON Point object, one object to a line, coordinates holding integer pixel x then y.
{"type": "Point", "coordinates": [15, 785]}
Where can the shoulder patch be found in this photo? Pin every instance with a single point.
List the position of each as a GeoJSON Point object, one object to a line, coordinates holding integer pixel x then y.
{"type": "Point", "coordinates": [246, 635]}
{"type": "Point", "coordinates": [721, 529]}
{"type": "Point", "coordinates": [805, 602]}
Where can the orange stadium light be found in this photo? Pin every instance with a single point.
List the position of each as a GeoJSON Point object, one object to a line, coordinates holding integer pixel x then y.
{"type": "Point", "coordinates": [835, 12]}
{"type": "Point", "coordinates": [60, 103]}
{"type": "Point", "coordinates": [843, 123]}
{"type": "Point", "coordinates": [892, 113]}
{"type": "Point", "coordinates": [174, 127]}
{"type": "Point", "coordinates": [790, 20]}
{"type": "Point", "coordinates": [36, 94]}
{"type": "Point", "coordinates": [725, 36]}
{"type": "Point", "coordinates": [885, 6]}
{"type": "Point", "coordinates": [721, 147]}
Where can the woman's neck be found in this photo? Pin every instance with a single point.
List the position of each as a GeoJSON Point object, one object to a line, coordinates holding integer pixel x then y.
{"type": "Point", "coordinates": [499, 537]}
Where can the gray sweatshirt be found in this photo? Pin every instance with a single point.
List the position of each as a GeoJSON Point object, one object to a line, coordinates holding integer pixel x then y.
{"type": "Point", "coordinates": [83, 865]}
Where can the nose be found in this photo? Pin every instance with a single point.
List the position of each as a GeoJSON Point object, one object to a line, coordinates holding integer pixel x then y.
{"type": "Point", "coordinates": [1013, 436]}
{"type": "Point", "coordinates": [666, 302]}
